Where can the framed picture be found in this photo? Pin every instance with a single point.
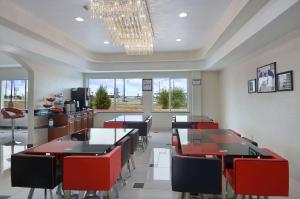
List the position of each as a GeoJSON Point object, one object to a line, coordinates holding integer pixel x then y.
{"type": "Point", "coordinates": [196, 81]}
{"type": "Point", "coordinates": [147, 84]}
{"type": "Point", "coordinates": [285, 81]}
{"type": "Point", "coordinates": [266, 78]}
{"type": "Point", "coordinates": [252, 86]}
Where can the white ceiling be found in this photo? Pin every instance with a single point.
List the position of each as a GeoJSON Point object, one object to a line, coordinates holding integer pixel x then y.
{"type": "Point", "coordinates": [193, 30]}
{"type": "Point", "coordinates": [215, 33]}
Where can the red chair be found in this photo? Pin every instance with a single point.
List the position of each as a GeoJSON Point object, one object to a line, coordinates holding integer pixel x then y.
{"type": "Point", "coordinates": [207, 125]}
{"type": "Point", "coordinates": [12, 114]}
{"type": "Point", "coordinates": [259, 177]}
{"type": "Point", "coordinates": [111, 124]}
{"type": "Point", "coordinates": [92, 173]}
{"type": "Point", "coordinates": [238, 134]}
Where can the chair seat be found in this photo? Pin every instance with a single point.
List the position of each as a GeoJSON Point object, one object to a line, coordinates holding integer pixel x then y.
{"type": "Point", "coordinates": [11, 113]}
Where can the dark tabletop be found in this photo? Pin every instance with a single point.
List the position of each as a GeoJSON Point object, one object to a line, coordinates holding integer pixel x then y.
{"type": "Point", "coordinates": [100, 141]}
{"type": "Point", "coordinates": [222, 142]}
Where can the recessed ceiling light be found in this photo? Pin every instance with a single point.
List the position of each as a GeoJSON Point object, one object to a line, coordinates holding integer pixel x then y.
{"type": "Point", "coordinates": [182, 15]}
{"type": "Point", "coordinates": [79, 19]}
{"type": "Point", "coordinates": [178, 40]}
{"type": "Point", "coordinates": [106, 42]}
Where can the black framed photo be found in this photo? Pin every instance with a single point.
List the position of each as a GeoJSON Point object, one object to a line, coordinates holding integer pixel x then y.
{"type": "Point", "coordinates": [266, 78]}
{"type": "Point", "coordinates": [147, 84]}
{"type": "Point", "coordinates": [252, 86]}
{"type": "Point", "coordinates": [285, 81]}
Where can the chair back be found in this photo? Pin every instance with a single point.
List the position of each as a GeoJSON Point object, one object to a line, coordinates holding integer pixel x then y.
{"type": "Point", "coordinates": [251, 141]}
{"type": "Point", "coordinates": [92, 172]}
{"type": "Point", "coordinates": [207, 125]}
{"type": "Point", "coordinates": [125, 144]}
{"type": "Point", "coordinates": [263, 177]}
{"type": "Point", "coordinates": [196, 174]}
{"type": "Point", "coordinates": [134, 137]}
{"type": "Point", "coordinates": [112, 124]}
{"type": "Point", "coordinates": [34, 171]}
{"type": "Point", "coordinates": [81, 135]}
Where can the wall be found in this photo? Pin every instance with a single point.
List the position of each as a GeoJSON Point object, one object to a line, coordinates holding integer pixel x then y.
{"type": "Point", "coordinates": [211, 94]}
{"type": "Point", "coordinates": [272, 119]}
{"type": "Point", "coordinates": [160, 120]}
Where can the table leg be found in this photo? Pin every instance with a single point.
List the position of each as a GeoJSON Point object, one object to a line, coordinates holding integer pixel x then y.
{"type": "Point", "coordinates": [30, 193]}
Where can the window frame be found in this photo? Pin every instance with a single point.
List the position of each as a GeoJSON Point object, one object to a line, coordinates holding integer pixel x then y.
{"type": "Point", "coordinates": [170, 97]}
{"type": "Point", "coordinates": [25, 89]}
{"type": "Point", "coordinates": [114, 106]}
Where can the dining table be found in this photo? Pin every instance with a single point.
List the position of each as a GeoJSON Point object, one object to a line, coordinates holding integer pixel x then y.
{"type": "Point", "coordinates": [189, 121]}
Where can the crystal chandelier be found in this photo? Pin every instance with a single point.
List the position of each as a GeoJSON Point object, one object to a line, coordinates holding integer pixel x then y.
{"type": "Point", "coordinates": [128, 22]}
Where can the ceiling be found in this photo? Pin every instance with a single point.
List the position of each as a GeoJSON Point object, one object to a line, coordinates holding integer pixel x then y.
{"type": "Point", "coordinates": [193, 30]}
{"type": "Point", "coordinates": [215, 33]}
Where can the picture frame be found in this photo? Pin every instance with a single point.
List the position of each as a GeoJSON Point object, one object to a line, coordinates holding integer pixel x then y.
{"type": "Point", "coordinates": [147, 84]}
{"type": "Point", "coordinates": [266, 78]}
{"type": "Point", "coordinates": [196, 81]}
{"type": "Point", "coordinates": [252, 86]}
{"type": "Point", "coordinates": [285, 81]}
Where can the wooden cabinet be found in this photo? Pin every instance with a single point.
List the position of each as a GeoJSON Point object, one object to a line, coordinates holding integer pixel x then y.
{"type": "Point", "coordinates": [65, 124]}
{"type": "Point", "coordinates": [90, 119]}
{"type": "Point", "coordinates": [84, 120]}
{"type": "Point", "coordinates": [57, 132]}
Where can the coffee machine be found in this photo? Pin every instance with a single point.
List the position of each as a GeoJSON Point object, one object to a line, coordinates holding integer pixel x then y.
{"type": "Point", "coordinates": [81, 96]}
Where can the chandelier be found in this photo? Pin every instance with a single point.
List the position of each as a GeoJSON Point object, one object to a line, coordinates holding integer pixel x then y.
{"type": "Point", "coordinates": [128, 22]}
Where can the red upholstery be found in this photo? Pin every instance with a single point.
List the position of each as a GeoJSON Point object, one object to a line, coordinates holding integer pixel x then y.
{"type": "Point", "coordinates": [11, 113]}
{"type": "Point", "coordinates": [92, 172]}
{"type": "Point", "coordinates": [175, 141]}
{"type": "Point", "coordinates": [110, 124]}
{"type": "Point", "coordinates": [207, 125]}
{"type": "Point", "coordinates": [238, 134]}
{"type": "Point", "coordinates": [263, 177]}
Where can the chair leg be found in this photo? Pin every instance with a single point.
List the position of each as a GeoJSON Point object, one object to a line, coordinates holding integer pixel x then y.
{"type": "Point", "coordinates": [132, 162]}
{"type": "Point", "coordinates": [109, 194]}
{"type": "Point", "coordinates": [30, 194]}
{"type": "Point", "coordinates": [45, 193]}
{"type": "Point", "coordinates": [81, 194]}
{"type": "Point", "coordinates": [51, 195]}
{"type": "Point", "coordinates": [59, 189]}
{"type": "Point", "coordinates": [128, 167]}
{"type": "Point", "coordinates": [116, 190]}
{"type": "Point", "coordinates": [67, 194]}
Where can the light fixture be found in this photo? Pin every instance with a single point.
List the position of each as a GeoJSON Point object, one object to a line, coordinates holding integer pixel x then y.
{"type": "Point", "coordinates": [106, 42]}
{"type": "Point", "coordinates": [79, 19]}
{"type": "Point", "coordinates": [128, 22]}
{"type": "Point", "coordinates": [182, 15]}
{"type": "Point", "coordinates": [178, 40]}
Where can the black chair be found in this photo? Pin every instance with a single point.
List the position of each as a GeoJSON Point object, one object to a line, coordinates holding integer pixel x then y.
{"type": "Point", "coordinates": [125, 144]}
{"type": "Point", "coordinates": [196, 175]}
{"type": "Point", "coordinates": [251, 141]}
{"type": "Point", "coordinates": [35, 171]}
{"type": "Point", "coordinates": [134, 137]}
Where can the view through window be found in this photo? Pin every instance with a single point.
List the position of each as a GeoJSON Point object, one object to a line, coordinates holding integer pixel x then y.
{"type": "Point", "coordinates": [14, 94]}
{"type": "Point", "coordinates": [170, 94]}
{"type": "Point", "coordinates": [124, 95]}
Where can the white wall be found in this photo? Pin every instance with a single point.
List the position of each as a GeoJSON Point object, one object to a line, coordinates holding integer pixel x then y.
{"type": "Point", "coordinates": [160, 120]}
{"type": "Point", "coordinates": [272, 119]}
{"type": "Point", "coordinates": [211, 94]}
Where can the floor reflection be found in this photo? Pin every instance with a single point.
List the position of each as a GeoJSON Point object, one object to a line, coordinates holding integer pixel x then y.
{"type": "Point", "coordinates": [161, 164]}
{"type": "Point", "coordinates": [5, 153]}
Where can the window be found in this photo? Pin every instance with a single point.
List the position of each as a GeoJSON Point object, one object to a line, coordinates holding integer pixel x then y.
{"type": "Point", "coordinates": [124, 94]}
{"type": "Point", "coordinates": [14, 94]}
{"type": "Point", "coordinates": [173, 90]}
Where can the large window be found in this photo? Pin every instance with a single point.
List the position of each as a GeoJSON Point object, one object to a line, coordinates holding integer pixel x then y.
{"type": "Point", "coordinates": [124, 95]}
{"type": "Point", "coordinates": [14, 94]}
{"type": "Point", "coordinates": [170, 94]}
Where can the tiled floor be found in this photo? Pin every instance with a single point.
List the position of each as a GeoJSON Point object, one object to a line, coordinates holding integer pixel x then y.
{"type": "Point", "coordinates": [150, 179]}
{"type": "Point", "coordinates": [152, 170]}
